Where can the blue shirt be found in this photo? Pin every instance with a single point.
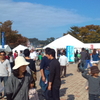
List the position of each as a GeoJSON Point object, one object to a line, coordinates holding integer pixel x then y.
{"type": "Point", "coordinates": [44, 63]}
{"type": "Point", "coordinates": [95, 57]}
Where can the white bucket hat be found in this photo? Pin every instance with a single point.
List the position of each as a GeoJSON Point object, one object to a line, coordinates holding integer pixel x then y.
{"type": "Point", "coordinates": [20, 61]}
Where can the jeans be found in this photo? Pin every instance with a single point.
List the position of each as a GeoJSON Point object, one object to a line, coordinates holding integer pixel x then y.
{"type": "Point", "coordinates": [83, 64]}
{"type": "Point", "coordinates": [88, 62]}
{"type": "Point", "coordinates": [4, 79]}
{"type": "Point", "coordinates": [94, 97]}
{"type": "Point", "coordinates": [44, 85]}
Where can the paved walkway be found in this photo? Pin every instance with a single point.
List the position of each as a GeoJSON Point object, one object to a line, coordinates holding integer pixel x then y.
{"type": "Point", "coordinates": [73, 86]}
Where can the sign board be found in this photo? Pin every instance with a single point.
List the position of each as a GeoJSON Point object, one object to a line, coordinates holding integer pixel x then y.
{"type": "Point", "coordinates": [70, 53]}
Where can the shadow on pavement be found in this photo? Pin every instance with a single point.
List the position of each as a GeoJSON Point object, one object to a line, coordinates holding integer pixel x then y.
{"type": "Point", "coordinates": [63, 82]}
{"type": "Point", "coordinates": [71, 97]}
{"type": "Point", "coordinates": [69, 74]}
{"type": "Point", "coordinates": [63, 92]}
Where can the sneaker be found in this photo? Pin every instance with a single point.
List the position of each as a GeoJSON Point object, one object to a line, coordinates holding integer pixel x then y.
{"type": "Point", "coordinates": [5, 97]}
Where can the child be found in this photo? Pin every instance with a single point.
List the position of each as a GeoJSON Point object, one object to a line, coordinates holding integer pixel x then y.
{"type": "Point", "coordinates": [33, 95]}
{"type": "Point", "coordinates": [93, 81]}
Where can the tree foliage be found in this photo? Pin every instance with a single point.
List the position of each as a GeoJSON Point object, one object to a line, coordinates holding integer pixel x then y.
{"type": "Point", "coordinates": [40, 43]}
{"type": "Point", "coordinates": [87, 34]}
{"type": "Point", "coordinates": [12, 37]}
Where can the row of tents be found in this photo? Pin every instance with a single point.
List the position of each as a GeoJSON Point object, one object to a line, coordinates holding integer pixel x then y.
{"type": "Point", "coordinates": [59, 43]}
{"type": "Point", "coordinates": [8, 49]}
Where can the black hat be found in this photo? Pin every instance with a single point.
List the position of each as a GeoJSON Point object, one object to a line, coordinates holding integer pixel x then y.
{"type": "Point", "coordinates": [94, 69]}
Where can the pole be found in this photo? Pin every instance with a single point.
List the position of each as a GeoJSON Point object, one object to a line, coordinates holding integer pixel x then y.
{"type": "Point", "coordinates": [3, 39]}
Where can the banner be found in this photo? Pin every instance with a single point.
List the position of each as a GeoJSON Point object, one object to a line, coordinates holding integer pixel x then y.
{"type": "Point", "coordinates": [3, 39]}
{"type": "Point", "coordinates": [70, 53]}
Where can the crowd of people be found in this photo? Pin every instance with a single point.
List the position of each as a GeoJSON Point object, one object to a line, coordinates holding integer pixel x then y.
{"type": "Point", "coordinates": [87, 58]}
{"type": "Point", "coordinates": [91, 72]}
{"type": "Point", "coordinates": [19, 75]}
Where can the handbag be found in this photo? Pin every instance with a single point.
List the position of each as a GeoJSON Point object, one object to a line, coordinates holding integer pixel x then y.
{"type": "Point", "coordinates": [18, 88]}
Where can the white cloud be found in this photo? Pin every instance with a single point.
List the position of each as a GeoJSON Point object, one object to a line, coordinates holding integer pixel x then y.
{"type": "Point", "coordinates": [36, 18]}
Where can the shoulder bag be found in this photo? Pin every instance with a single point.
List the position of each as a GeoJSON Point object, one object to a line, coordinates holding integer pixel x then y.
{"type": "Point", "coordinates": [18, 88]}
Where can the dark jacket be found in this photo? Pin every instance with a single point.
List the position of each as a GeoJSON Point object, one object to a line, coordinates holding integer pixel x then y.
{"type": "Point", "coordinates": [87, 56]}
{"type": "Point", "coordinates": [54, 75]}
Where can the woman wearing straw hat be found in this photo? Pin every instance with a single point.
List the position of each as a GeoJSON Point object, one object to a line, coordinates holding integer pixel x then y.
{"type": "Point", "coordinates": [18, 83]}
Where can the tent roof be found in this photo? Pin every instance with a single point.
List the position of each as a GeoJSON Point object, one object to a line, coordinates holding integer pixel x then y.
{"type": "Point", "coordinates": [64, 41]}
{"type": "Point", "coordinates": [20, 47]}
{"type": "Point", "coordinates": [6, 48]}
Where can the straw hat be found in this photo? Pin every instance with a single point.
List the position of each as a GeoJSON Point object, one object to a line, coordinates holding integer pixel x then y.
{"type": "Point", "coordinates": [20, 61]}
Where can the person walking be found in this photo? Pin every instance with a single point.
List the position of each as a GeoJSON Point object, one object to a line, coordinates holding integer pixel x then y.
{"type": "Point", "coordinates": [17, 86]}
{"type": "Point", "coordinates": [44, 70]}
{"type": "Point", "coordinates": [31, 65]}
{"type": "Point", "coordinates": [83, 58]}
{"type": "Point", "coordinates": [93, 82]}
{"type": "Point", "coordinates": [33, 55]}
{"type": "Point", "coordinates": [63, 64]}
{"type": "Point", "coordinates": [88, 59]}
{"type": "Point", "coordinates": [5, 70]}
{"type": "Point", "coordinates": [94, 55]}
{"type": "Point", "coordinates": [15, 54]}
{"type": "Point", "coordinates": [76, 58]}
{"type": "Point", "coordinates": [11, 59]}
{"type": "Point", "coordinates": [21, 53]}
{"type": "Point", "coordinates": [39, 57]}
{"type": "Point", "coordinates": [54, 77]}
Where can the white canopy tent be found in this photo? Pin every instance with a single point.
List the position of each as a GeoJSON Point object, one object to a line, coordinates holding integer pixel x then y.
{"type": "Point", "coordinates": [64, 41]}
{"type": "Point", "coordinates": [92, 45]}
{"type": "Point", "coordinates": [6, 48]}
{"type": "Point", "coordinates": [19, 48]}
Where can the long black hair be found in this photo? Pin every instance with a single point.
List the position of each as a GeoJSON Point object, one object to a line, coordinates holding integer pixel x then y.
{"type": "Point", "coordinates": [16, 72]}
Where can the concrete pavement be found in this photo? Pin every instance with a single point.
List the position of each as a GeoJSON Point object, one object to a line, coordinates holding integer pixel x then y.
{"type": "Point", "coordinates": [73, 86]}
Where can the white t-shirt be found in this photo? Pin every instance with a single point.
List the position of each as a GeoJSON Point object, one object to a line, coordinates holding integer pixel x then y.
{"type": "Point", "coordinates": [11, 59]}
{"type": "Point", "coordinates": [63, 60]}
{"type": "Point", "coordinates": [33, 55]}
{"type": "Point", "coordinates": [5, 68]}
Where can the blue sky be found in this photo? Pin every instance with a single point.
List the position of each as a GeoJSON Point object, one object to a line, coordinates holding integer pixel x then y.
{"type": "Point", "coordinates": [49, 18]}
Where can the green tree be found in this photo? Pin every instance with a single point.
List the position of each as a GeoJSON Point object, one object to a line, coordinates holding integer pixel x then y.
{"type": "Point", "coordinates": [87, 34]}
{"type": "Point", "coordinates": [12, 37]}
{"type": "Point", "coordinates": [49, 40]}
